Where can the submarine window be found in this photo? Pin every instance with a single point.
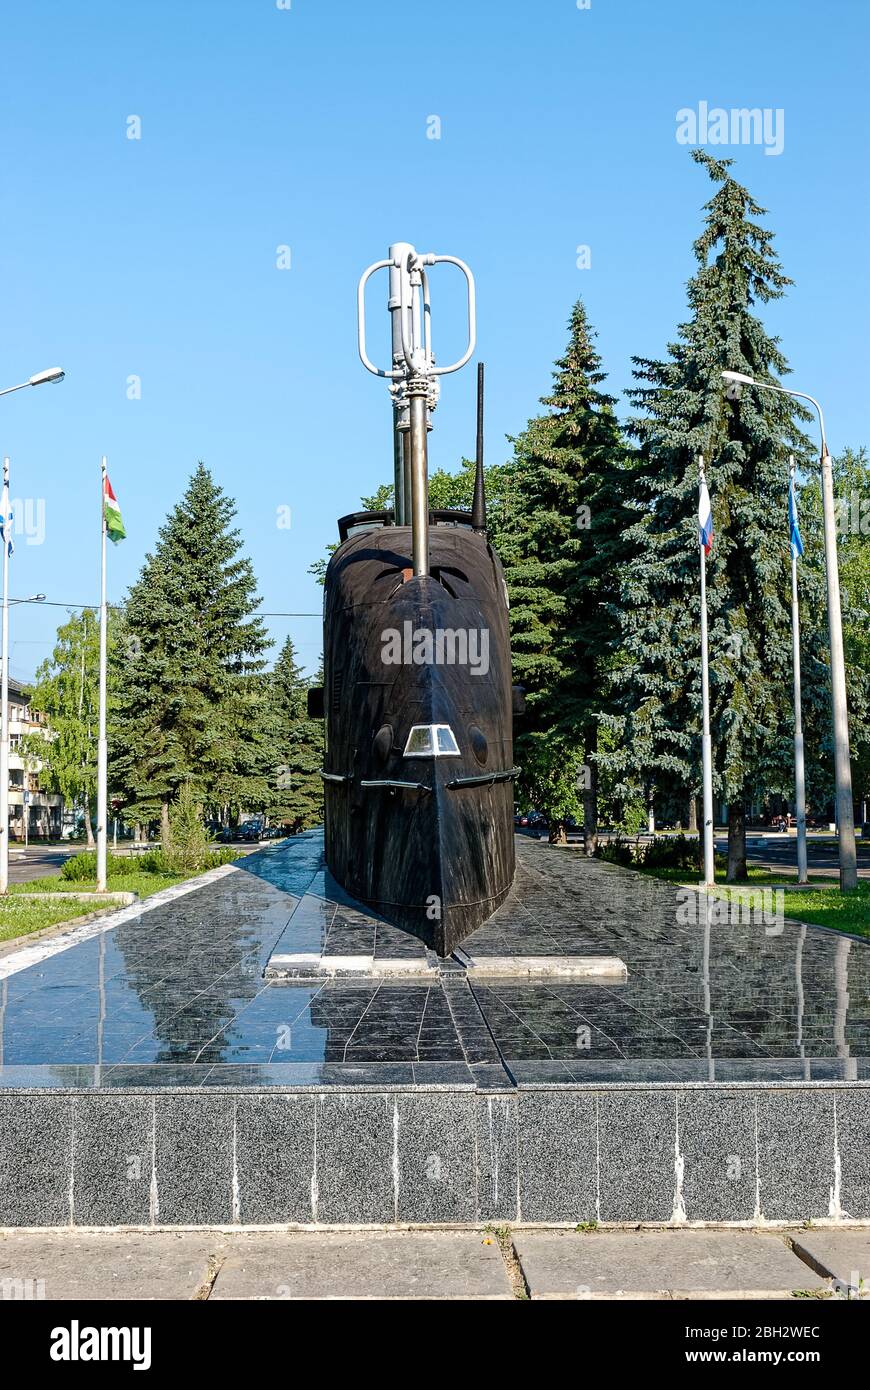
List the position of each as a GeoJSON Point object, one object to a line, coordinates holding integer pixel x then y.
{"type": "Point", "coordinates": [479, 745]}
{"type": "Point", "coordinates": [431, 741]}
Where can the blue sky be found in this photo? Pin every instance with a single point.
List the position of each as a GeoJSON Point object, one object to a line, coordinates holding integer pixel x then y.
{"type": "Point", "coordinates": [264, 126]}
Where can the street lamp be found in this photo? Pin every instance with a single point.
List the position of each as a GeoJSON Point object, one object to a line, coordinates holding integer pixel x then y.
{"type": "Point", "coordinates": [842, 767]}
{"type": "Point", "coordinates": [53, 374]}
{"type": "Point", "coordinates": [39, 379]}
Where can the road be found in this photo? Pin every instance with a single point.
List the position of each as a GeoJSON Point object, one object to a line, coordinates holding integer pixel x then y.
{"type": "Point", "coordinates": [37, 861]}
{"type": "Point", "coordinates": [777, 851]}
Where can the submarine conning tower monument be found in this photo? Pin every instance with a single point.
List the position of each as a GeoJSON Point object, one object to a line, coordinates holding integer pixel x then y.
{"type": "Point", "coordinates": [418, 767]}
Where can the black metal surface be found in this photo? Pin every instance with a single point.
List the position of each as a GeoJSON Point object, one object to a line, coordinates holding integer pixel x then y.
{"type": "Point", "coordinates": [347, 523]}
{"type": "Point", "coordinates": [436, 864]}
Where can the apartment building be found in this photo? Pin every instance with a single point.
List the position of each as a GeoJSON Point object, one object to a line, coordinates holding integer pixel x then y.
{"type": "Point", "coordinates": [43, 809]}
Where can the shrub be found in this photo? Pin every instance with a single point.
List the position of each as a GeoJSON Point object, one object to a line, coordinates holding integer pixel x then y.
{"type": "Point", "coordinates": [222, 855]}
{"type": "Point", "coordinates": [153, 861]}
{"type": "Point", "coordinates": [187, 847]}
{"type": "Point", "coordinates": [84, 866]}
{"type": "Point", "coordinates": [672, 852]}
{"type": "Point", "coordinates": [157, 861]}
{"type": "Point", "coordinates": [616, 851]}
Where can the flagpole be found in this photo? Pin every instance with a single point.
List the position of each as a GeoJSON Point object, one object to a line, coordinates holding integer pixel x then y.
{"type": "Point", "coordinates": [706, 743]}
{"type": "Point", "coordinates": [799, 774]}
{"type": "Point", "coordinates": [4, 694]}
{"type": "Point", "coordinates": [102, 748]}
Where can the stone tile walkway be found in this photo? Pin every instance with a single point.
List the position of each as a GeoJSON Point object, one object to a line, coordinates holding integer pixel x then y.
{"type": "Point", "coordinates": [176, 995]}
{"type": "Point", "coordinates": [457, 1264]}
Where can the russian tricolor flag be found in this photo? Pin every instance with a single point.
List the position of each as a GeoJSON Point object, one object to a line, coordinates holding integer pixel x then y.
{"type": "Point", "coordinates": [705, 520]}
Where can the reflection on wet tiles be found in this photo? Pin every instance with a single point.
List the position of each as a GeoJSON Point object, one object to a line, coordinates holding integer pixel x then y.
{"type": "Point", "coordinates": [781, 1003]}
{"type": "Point", "coordinates": [177, 997]}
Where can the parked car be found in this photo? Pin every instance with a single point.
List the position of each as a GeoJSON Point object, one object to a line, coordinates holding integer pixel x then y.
{"type": "Point", "coordinates": [247, 831]}
{"type": "Point", "coordinates": [250, 831]}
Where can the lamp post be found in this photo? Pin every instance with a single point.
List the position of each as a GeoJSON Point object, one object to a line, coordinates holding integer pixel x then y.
{"type": "Point", "coordinates": [842, 768]}
{"type": "Point", "coordinates": [800, 784]}
{"type": "Point", "coordinates": [40, 379]}
{"type": "Point", "coordinates": [706, 741]}
{"type": "Point", "coordinates": [53, 374]}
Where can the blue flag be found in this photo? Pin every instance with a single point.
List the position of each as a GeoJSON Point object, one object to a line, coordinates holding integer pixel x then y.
{"type": "Point", "coordinates": [3, 538]}
{"type": "Point", "coordinates": [797, 545]}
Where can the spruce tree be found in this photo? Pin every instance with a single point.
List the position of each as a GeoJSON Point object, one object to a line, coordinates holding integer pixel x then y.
{"type": "Point", "coordinates": [561, 540]}
{"type": "Point", "coordinates": [190, 688]}
{"type": "Point", "coordinates": [745, 439]}
{"type": "Point", "coordinates": [296, 789]}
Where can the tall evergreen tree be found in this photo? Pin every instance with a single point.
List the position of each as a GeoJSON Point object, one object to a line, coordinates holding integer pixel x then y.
{"type": "Point", "coordinates": [191, 688]}
{"type": "Point", "coordinates": [561, 541]}
{"type": "Point", "coordinates": [745, 440]}
{"type": "Point", "coordinates": [67, 693]}
{"type": "Point", "coordinates": [296, 790]}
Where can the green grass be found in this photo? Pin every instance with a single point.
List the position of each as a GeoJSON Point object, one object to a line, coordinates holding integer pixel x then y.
{"type": "Point", "coordinates": [30, 915]}
{"type": "Point", "coordinates": [848, 912]}
{"type": "Point", "coordinates": [823, 907]}
{"type": "Point", "coordinates": [23, 917]}
{"type": "Point", "coordinates": [756, 876]}
{"type": "Point", "coordinates": [140, 883]}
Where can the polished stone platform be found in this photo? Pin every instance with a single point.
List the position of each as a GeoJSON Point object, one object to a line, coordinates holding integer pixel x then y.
{"type": "Point", "coordinates": [177, 996]}
{"type": "Point", "coordinates": [724, 1078]}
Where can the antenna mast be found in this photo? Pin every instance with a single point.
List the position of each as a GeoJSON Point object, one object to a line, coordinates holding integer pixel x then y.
{"type": "Point", "coordinates": [478, 505]}
{"type": "Point", "coordinates": [413, 377]}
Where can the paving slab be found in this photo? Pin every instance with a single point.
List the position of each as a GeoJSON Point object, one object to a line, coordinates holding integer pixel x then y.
{"type": "Point", "coordinates": [661, 1264]}
{"type": "Point", "coordinates": [840, 1255]}
{"type": "Point", "coordinates": [544, 967]}
{"type": "Point", "coordinates": [102, 1267]}
{"type": "Point", "coordinates": [393, 1265]}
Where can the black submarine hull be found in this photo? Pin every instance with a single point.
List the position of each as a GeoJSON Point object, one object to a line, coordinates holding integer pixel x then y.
{"type": "Point", "coordinates": [415, 662]}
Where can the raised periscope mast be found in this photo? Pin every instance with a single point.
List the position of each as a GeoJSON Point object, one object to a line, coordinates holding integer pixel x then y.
{"type": "Point", "coordinates": [418, 774]}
